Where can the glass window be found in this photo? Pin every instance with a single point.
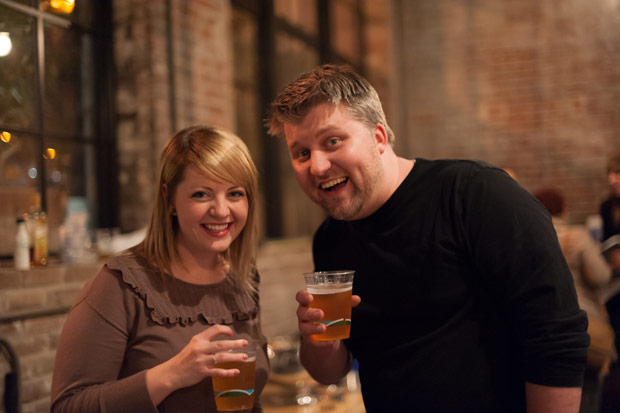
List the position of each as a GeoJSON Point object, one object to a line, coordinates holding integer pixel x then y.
{"type": "Point", "coordinates": [68, 82]}
{"type": "Point", "coordinates": [345, 29]}
{"type": "Point", "coordinates": [300, 13]}
{"type": "Point", "coordinates": [293, 34]}
{"type": "Point", "coordinates": [293, 57]}
{"type": "Point", "coordinates": [66, 123]}
{"type": "Point", "coordinates": [248, 119]}
{"type": "Point", "coordinates": [18, 92]}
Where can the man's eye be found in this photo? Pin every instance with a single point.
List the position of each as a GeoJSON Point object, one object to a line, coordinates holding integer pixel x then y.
{"type": "Point", "coordinates": [333, 141]}
{"type": "Point", "coordinates": [304, 153]}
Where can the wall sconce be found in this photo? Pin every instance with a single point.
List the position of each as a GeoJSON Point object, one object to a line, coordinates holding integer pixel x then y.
{"type": "Point", "coordinates": [5, 137]}
{"type": "Point", "coordinates": [59, 6]}
{"type": "Point", "coordinates": [5, 44]}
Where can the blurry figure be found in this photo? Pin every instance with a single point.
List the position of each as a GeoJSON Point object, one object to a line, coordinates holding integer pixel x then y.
{"type": "Point", "coordinates": [590, 271]}
{"type": "Point", "coordinates": [610, 208]}
{"type": "Point", "coordinates": [610, 216]}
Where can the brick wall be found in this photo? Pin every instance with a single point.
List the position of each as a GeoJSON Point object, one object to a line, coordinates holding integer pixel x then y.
{"type": "Point", "coordinates": [529, 85]}
{"type": "Point", "coordinates": [32, 312]}
{"type": "Point", "coordinates": [202, 89]}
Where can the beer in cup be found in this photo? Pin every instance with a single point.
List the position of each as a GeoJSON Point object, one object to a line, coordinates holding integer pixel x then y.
{"type": "Point", "coordinates": [332, 294]}
{"type": "Point", "coordinates": [236, 392]}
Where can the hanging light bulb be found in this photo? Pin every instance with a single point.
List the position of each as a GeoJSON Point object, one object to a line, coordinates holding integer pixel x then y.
{"type": "Point", "coordinates": [62, 6]}
{"type": "Point", "coordinates": [5, 137]}
{"type": "Point", "coordinates": [5, 44]}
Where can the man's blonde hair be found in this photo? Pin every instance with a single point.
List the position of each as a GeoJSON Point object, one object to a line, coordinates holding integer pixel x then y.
{"type": "Point", "coordinates": [221, 156]}
{"type": "Point", "coordinates": [328, 84]}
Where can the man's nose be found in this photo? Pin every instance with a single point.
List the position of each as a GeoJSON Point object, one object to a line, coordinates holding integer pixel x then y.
{"type": "Point", "coordinates": [319, 163]}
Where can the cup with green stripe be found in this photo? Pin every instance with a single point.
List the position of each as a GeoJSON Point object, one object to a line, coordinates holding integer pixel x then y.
{"type": "Point", "coordinates": [331, 291]}
{"type": "Point", "coordinates": [236, 392]}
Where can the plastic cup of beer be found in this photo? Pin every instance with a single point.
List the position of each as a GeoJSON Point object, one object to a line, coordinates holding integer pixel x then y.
{"type": "Point", "coordinates": [332, 294]}
{"type": "Point", "coordinates": [236, 392]}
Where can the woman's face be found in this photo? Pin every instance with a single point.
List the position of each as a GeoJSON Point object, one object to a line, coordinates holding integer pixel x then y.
{"type": "Point", "coordinates": [210, 214]}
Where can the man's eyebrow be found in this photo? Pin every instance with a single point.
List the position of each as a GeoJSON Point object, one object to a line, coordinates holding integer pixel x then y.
{"type": "Point", "coordinates": [294, 146]}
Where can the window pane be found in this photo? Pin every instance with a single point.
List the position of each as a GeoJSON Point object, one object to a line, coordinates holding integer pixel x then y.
{"type": "Point", "coordinates": [345, 26]}
{"type": "Point", "coordinates": [248, 120]}
{"type": "Point", "coordinates": [83, 13]}
{"type": "Point", "coordinates": [69, 82]}
{"type": "Point", "coordinates": [19, 178]}
{"type": "Point", "coordinates": [294, 57]}
{"type": "Point", "coordinates": [17, 71]}
{"type": "Point", "coordinates": [300, 13]}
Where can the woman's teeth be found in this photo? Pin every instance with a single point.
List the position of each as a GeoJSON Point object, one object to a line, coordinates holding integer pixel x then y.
{"type": "Point", "coordinates": [216, 227]}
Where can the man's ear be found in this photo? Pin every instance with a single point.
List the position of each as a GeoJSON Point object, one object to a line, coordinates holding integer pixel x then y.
{"type": "Point", "coordinates": [381, 137]}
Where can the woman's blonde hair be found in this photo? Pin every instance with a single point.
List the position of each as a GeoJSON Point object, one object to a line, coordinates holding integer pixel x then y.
{"type": "Point", "coordinates": [221, 156]}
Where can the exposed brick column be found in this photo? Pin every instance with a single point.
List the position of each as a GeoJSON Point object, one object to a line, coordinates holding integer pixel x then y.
{"type": "Point", "coordinates": [203, 86]}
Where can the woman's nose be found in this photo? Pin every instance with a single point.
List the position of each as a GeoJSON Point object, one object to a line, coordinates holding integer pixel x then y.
{"type": "Point", "coordinates": [219, 208]}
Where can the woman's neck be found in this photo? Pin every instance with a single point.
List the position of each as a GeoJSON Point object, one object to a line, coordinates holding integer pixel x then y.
{"type": "Point", "coordinates": [204, 269]}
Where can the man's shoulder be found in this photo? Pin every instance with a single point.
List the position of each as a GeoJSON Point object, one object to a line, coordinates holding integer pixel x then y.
{"type": "Point", "coordinates": [454, 165]}
{"type": "Point", "coordinates": [452, 171]}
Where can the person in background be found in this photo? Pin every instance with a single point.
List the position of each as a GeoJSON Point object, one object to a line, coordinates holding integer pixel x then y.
{"type": "Point", "coordinates": [463, 299]}
{"type": "Point", "coordinates": [590, 272]}
{"type": "Point", "coordinates": [610, 208]}
{"type": "Point", "coordinates": [610, 216]}
{"type": "Point", "coordinates": [140, 338]}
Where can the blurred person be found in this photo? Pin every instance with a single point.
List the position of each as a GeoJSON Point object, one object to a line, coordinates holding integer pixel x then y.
{"type": "Point", "coordinates": [463, 301]}
{"type": "Point", "coordinates": [140, 338]}
{"type": "Point", "coordinates": [590, 272]}
{"type": "Point", "coordinates": [610, 216]}
{"type": "Point", "coordinates": [610, 208]}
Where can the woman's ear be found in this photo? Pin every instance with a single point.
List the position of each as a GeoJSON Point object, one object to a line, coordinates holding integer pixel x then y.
{"type": "Point", "coordinates": [167, 201]}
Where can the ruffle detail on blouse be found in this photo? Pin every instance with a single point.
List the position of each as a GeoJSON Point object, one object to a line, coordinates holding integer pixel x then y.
{"type": "Point", "coordinates": [172, 301]}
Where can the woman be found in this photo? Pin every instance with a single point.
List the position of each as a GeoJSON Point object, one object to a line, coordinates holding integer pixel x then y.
{"type": "Point", "coordinates": [140, 337]}
{"type": "Point", "coordinates": [590, 273]}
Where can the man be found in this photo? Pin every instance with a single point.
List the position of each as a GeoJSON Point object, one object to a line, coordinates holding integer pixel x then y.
{"type": "Point", "coordinates": [467, 304]}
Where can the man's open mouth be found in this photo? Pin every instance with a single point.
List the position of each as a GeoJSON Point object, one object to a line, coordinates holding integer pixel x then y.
{"type": "Point", "coordinates": [334, 184]}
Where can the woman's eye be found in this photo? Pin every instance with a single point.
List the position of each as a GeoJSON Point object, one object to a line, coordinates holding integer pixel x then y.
{"type": "Point", "coordinates": [199, 194]}
{"type": "Point", "coordinates": [237, 194]}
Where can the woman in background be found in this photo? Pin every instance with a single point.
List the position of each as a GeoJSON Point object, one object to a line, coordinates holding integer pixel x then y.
{"type": "Point", "coordinates": [590, 273]}
{"type": "Point", "coordinates": [140, 337]}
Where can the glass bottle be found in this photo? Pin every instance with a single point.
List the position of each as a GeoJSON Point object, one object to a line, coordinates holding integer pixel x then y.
{"type": "Point", "coordinates": [39, 233]}
{"type": "Point", "coordinates": [21, 256]}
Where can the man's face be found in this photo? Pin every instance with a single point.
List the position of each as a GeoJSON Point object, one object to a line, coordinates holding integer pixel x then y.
{"type": "Point", "coordinates": [614, 182]}
{"type": "Point", "coordinates": [337, 161]}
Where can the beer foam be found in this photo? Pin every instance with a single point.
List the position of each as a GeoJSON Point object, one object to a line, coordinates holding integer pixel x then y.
{"type": "Point", "coordinates": [250, 359]}
{"type": "Point", "coordinates": [322, 290]}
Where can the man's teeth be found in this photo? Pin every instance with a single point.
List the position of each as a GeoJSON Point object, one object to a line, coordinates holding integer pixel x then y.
{"type": "Point", "coordinates": [216, 227]}
{"type": "Point", "coordinates": [329, 184]}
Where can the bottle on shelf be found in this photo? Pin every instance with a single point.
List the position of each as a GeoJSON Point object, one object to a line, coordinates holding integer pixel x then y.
{"type": "Point", "coordinates": [21, 255]}
{"type": "Point", "coordinates": [38, 231]}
